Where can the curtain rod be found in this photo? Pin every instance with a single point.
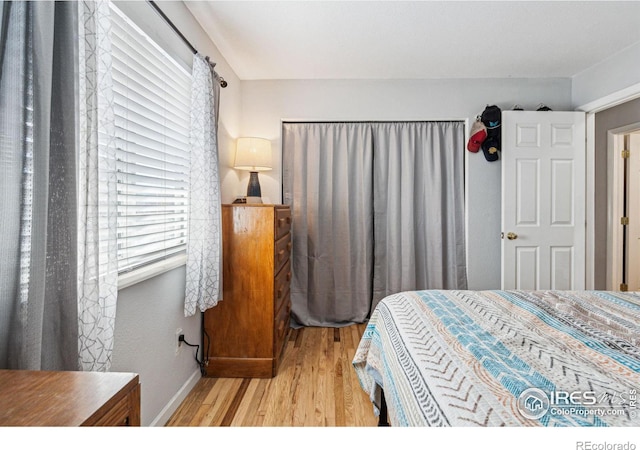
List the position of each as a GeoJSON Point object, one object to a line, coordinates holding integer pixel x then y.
{"type": "Point", "coordinates": [223, 83]}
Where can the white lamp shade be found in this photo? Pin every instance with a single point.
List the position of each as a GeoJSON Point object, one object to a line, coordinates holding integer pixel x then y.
{"type": "Point", "coordinates": [253, 154]}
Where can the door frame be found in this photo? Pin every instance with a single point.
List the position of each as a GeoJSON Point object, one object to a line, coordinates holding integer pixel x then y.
{"type": "Point", "coordinates": [615, 203]}
{"type": "Point", "coordinates": [592, 108]}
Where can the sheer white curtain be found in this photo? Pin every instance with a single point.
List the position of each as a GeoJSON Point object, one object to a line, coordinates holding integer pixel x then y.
{"type": "Point", "coordinates": [377, 208]}
{"type": "Point", "coordinates": [204, 244]}
{"type": "Point", "coordinates": [38, 308]}
{"type": "Point", "coordinates": [97, 189]}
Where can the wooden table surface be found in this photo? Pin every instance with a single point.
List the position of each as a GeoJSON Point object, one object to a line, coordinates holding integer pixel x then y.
{"type": "Point", "coordinates": [50, 398]}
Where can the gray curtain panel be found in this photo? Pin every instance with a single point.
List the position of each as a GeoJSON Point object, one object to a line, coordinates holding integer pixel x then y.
{"type": "Point", "coordinates": [328, 177]}
{"type": "Point", "coordinates": [419, 207]}
{"type": "Point", "coordinates": [377, 208]}
{"type": "Point", "coordinates": [38, 308]}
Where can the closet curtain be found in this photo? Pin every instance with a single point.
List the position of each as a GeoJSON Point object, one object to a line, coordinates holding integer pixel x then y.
{"type": "Point", "coordinates": [377, 208]}
{"type": "Point", "coordinates": [418, 207]}
{"type": "Point", "coordinates": [328, 179]}
{"type": "Point", "coordinates": [38, 306]}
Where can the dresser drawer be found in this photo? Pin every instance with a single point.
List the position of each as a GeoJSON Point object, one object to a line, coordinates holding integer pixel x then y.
{"type": "Point", "coordinates": [281, 326]}
{"type": "Point", "coordinates": [116, 416]}
{"type": "Point", "coordinates": [126, 412]}
{"type": "Point", "coordinates": [283, 222]}
{"type": "Point", "coordinates": [282, 251]}
{"type": "Point", "coordinates": [281, 286]}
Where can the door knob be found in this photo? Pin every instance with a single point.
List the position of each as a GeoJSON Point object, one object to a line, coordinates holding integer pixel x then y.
{"type": "Point", "coordinates": [511, 236]}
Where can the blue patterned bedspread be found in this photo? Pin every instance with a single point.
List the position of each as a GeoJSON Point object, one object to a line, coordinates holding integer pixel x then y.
{"type": "Point", "coordinates": [504, 358]}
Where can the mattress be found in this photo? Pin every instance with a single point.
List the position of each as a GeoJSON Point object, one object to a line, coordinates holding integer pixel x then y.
{"type": "Point", "coordinates": [503, 358]}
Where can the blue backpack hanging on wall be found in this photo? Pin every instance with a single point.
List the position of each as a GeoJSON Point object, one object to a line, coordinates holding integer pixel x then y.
{"type": "Point", "coordinates": [491, 118]}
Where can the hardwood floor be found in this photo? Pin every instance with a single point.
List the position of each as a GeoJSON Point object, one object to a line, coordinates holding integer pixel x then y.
{"type": "Point", "coordinates": [315, 386]}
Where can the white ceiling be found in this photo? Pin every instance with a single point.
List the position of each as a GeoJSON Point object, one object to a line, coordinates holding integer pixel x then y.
{"type": "Point", "coordinates": [416, 39]}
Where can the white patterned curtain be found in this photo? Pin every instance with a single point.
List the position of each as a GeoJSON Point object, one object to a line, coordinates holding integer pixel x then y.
{"type": "Point", "coordinates": [204, 245]}
{"type": "Point", "coordinates": [97, 251]}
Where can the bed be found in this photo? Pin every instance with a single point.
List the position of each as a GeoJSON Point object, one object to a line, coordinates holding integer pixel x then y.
{"type": "Point", "coordinates": [503, 358]}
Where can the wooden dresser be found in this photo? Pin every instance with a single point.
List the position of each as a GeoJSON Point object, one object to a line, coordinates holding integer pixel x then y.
{"type": "Point", "coordinates": [50, 398]}
{"type": "Point", "coordinates": [246, 331]}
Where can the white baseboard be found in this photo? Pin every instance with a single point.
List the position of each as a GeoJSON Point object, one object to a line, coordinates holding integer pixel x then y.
{"type": "Point", "coordinates": [171, 407]}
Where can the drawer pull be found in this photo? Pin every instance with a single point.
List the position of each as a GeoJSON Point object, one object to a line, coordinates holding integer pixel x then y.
{"type": "Point", "coordinates": [289, 246]}
{"type": "Point", "coordinates": [284, 220]}
{"type": "Point", "coordinates": [279, 293]}
{"type": "Point", "coordinates": [288, 276]}
{"type": "Point", "coordinates": [280, 255]}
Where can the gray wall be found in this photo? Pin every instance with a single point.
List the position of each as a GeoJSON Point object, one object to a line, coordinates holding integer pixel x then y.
{"type": "Point", "coordinates": [266, 103]}
{"type": "Point", "coordinates": [619, 116]}
{"type": "Point", "coordinates": [618, 73]}
{"type": "Point", "coordinates": [613, 81]}
{"type": "Point", "coordinates": [148, 315]}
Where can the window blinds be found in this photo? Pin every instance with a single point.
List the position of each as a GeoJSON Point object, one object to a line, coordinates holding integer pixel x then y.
{"type": "Point", "coordinates": [151, 102]}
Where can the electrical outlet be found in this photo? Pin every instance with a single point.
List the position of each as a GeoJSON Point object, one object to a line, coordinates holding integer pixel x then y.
{"type": "Point", "coordinates": [178, 341]}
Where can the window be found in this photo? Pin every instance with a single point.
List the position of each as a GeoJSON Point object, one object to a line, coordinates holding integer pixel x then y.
{"type": "Point", "coordinates": [152, 97]}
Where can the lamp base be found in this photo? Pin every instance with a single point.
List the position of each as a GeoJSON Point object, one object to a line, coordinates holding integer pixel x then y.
{"type": "Point", "coordinates": [254, 194]}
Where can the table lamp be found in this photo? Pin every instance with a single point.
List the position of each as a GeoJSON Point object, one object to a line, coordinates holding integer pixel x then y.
{"type": "Point", "coordinates": [253, 154]}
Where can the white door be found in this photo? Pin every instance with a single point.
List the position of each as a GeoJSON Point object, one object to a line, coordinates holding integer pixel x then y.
{"type": "Point", "coordinates": [543, 200]}
{"type": "Point", "coordinates": [633, 212]}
